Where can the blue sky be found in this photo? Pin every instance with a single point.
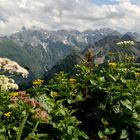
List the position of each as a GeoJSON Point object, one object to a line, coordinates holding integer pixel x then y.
{"type": "Point", "coordinates": [122, 15]}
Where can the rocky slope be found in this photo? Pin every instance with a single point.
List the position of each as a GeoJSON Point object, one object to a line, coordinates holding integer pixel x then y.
{"type": "Point", "coordinates": [42, 50]}
{"type": "Point", "coordinates": [101, 50]}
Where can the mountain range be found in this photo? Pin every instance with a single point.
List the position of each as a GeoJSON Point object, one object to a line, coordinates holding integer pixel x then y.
{"type": "Point", "coordinates": [45, 52]}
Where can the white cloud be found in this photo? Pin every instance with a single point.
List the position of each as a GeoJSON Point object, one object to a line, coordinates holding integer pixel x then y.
{"type": "Point", "coordinates": [78, 14]}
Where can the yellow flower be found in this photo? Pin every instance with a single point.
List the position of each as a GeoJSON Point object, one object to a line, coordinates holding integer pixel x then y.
{"type": "Point", "coordinates": [38, 82]}
{"type": "Point", "coordinates": [72, 80]}
{"type": "Point", "coordinates": [137, 74]}
{"type": "Point", "coordinates": [72, 83]}
{"type": "Point", "coordinates": [13, 94]}
{"type": "Point", "coordinates": [54, 94]}
{"type": "Point", "coordinates": [130, 58]}
{"type": "Point", "coordinates": [112, 65]}
{"type": "Point", "coordinates": [96, 65]}
{"type": "Point", "coordinates": [8, 114]}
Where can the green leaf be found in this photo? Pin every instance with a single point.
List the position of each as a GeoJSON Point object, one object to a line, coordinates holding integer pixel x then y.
{"type": "Point", "coordinates": [135, 115]}
{"type": "Point", "coordinates": [93, 82]}
{"type": "Point", "coordinates": [112, 77]}
{"type": "Point", "coordinates": [2, 137]}
{"type": "Point", "coordinates": [101, 135]}
{"type": "Point", "coordinates": [104, 122]}
{"type": "Point", "coordinates": [2, 129]}
{"type": "Point", "coordinates": [127, 104]}
{"type": "Point", "coordinates": [84, 135]}
{"type": "Point", "coordinates": [138, 124]}
{"type": "Point", "coordinates": [70, 129]}
{"type": "Point", "coordinates": [70, 101]}
{"type": "Point", "coordinates": [62, 112]}
{"type": "Point", "coordinates": [101, 79]}
{"type": "Point", "coordinates": [116, 108]}
{"type": "Point", "coordinates": [124, 134]}
{"type": "Point", "coordinates": [109, 131]}
{"type": "Point", "coordinates": [79, 98]}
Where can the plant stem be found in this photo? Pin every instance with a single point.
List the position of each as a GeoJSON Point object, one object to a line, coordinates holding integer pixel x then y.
{"type": "Point", "coordinates": [21, 127]}
{"type": "Point", "coordinates": [34, 129]}
{"type": "Point", "coordinates": [36, 125]}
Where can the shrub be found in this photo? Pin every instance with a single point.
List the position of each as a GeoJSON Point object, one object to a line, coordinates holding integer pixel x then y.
{"type": "Point", "coordinates": [99, 102]}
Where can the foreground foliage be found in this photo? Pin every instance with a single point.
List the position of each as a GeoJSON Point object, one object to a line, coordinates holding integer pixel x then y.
{"type": "Point", "coordinates": [99, 102]}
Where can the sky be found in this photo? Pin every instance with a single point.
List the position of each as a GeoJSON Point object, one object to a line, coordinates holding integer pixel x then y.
{"type": "Point", "coordinates": [121, 15]}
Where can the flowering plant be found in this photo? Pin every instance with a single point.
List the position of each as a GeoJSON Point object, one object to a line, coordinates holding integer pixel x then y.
{"type": "Point", "coordinates": [12, 67]}
{"type": "Point", "coordinates": [98, 102]}
{"type": "Point", "coordinates": [7, 85]}
{"type": "Point", "coordinates": [126, 43]}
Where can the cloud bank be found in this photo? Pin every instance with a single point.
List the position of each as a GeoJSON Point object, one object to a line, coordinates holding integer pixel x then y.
{"type": "Point", "coordinates": [67, 14]}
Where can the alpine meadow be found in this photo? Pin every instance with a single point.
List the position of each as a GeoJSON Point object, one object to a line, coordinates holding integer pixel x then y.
{"type": "Point", "coordinates": [69, 70]}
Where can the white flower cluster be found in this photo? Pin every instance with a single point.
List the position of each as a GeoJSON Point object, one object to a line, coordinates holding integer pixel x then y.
{"type": "Point", "coordinates": [7, 83]}
{"type": "Point", "coordinates": [126, 43]}
{"type": "Point", "coordinates": [12, 67]}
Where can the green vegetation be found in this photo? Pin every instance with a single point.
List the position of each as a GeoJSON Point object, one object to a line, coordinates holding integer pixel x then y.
{"type": "Point", "coordinates": [98, 102]}
{"type": "Point", "coordinates": [23, 56]}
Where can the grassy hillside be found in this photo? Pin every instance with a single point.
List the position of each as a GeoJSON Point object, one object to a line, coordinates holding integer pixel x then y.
{"type": "Point", "coordinates": [24, 57]}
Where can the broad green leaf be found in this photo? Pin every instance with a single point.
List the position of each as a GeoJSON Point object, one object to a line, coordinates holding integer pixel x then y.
{"type": "Point", "coordinates": [127, 104]}
{"type": "Point", "coordinates": [124, 134]}
{"type": "Point", "coordinates": [101, 79]}
{"type": "Point", "coordinates": [2, 129]}
{"type": "Point", "coordinates": [2, 137]}
{"type": "Point", "coordinates": [138, 124]}
{"type": "Point", "coordinates": [109, 131]}
{"type": "Point", "coordinates": [104, 122]}
{"type": "Point", "coordinates": [69, 101]}
{"type": "Point", "coordinates": [70, 129]}
{"type": "Point", "coordinates": [62, 112]}
{"type": "Point", "coordinates": [93, 82]}
{"type": "Point", "coordinates": [135, 115]}
{"type": "Point", "coordinates": [101, 135]}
